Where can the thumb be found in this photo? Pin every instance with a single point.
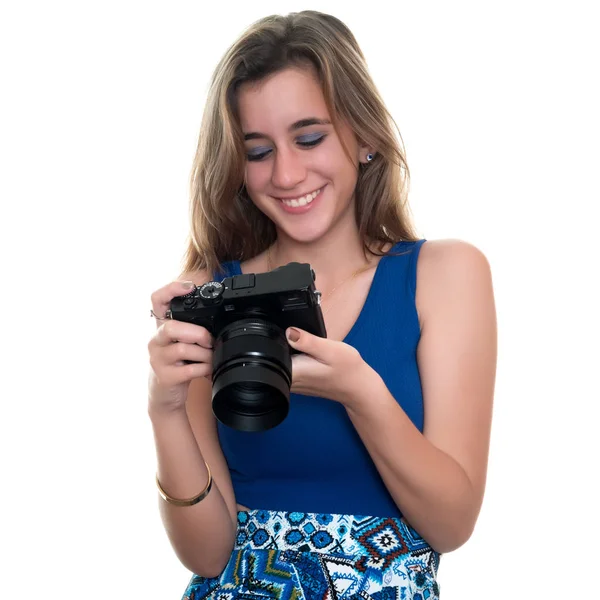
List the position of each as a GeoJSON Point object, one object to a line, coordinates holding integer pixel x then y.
{"type": "Point", "coordinates": [305, 342]}
{"type": "Point", "coordinates": [294, 336]}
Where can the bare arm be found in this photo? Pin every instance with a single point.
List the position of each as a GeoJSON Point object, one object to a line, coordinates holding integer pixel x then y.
{"type": "Point", "coordinates": [201, 535]}
{"type": "Point", "coordinates": [438, 478]}
{"type": "Point", "coordinates": [185, 435]}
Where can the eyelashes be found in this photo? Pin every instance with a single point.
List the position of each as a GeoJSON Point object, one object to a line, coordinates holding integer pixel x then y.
{"type": "Point", "coordinates": [307, 141]}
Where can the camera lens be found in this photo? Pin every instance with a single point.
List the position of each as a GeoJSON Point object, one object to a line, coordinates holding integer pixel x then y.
{"type": "Point", "coordinates": [252, 375]}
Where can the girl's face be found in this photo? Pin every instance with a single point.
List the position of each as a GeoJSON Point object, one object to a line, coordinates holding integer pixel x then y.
{"type": "Point", "coordinates": [297, 172]}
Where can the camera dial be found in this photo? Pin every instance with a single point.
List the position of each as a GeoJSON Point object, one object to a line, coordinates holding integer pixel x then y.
{"type": "Point", "coordinates": [211, 291]}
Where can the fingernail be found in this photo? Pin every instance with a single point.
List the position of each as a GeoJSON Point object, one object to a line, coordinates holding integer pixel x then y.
{"type": "Point", "coordinates": [188, 285]}
{"type": "Point", "coordinates": [293, 334]}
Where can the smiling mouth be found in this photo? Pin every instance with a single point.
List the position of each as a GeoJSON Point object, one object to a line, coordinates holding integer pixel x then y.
{"type": "Point", "coordinates": [302, 200]}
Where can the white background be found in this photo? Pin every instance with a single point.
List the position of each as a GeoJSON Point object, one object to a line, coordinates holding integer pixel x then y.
{"type": "Point", "coordinates": [101, 104]}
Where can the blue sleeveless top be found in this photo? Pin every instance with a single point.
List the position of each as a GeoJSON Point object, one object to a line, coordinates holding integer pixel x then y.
{"type": "Point", "coordinates": [315, 461]}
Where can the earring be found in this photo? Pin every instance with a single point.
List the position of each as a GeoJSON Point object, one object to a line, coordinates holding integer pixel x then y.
{"type": "Point", "coordinates": [370, 157]}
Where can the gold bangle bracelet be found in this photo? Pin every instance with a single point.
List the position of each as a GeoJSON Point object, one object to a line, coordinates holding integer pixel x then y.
{"type": "Point", "coordinates": [190, 501]}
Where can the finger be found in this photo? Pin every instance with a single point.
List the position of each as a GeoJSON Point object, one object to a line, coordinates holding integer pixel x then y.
{"type": "Point", "coordinates": [168, 376]}
{"type": "Point", "coordinates": [313, 345]}
{"type": "Point", "coordinates": [161, 299]}
{"type": "Point", "coordinates": [180, 331]}
{"type": "Point", "coordinates": [178, 353]}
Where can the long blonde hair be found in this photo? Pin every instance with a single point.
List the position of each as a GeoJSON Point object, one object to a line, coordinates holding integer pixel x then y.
{"type": "Point", "coordinates": [225, 223]}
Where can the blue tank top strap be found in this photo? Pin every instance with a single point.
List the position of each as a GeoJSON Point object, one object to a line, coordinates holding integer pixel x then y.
{"type": "Point", "coordinates": [228, 269]}
{"type": "Point", "coordinates": [412, 270]}
{"type": "Point", "coordinates": [394, 283]}
{"type": "Point", "coordinates": [407, 267]}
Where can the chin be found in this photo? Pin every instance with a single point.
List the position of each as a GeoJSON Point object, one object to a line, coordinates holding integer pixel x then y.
{"type": "Point", "coordinates": [307, 234]}
{"type": "Point", "coordinates": [311, 227]}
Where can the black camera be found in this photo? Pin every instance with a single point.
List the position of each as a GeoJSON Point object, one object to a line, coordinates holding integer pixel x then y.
{"type": "Point", "coordinates": [247, 316]}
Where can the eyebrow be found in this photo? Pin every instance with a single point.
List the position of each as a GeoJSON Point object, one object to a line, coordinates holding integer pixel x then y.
{"type": "Point", "coordinates": [293, 127]}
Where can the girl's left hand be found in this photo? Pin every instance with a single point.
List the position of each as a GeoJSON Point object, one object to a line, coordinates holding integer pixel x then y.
{"type": "Point", "coordinates": [327, 368]}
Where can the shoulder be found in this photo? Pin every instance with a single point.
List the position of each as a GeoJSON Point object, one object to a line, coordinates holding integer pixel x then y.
{"type": "Point", "coordinates": [442, 262]}
{"type": "Point", "coordinates": [451, 253]}
{"type": "Point", "coordinates": [451, 269]}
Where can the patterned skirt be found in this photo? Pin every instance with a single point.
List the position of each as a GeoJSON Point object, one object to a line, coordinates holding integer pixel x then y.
{"type": "Point", "coordinates": [309, 556]}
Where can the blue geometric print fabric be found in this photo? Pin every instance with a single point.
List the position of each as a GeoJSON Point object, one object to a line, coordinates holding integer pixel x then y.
{"type": "Point", "coordinates": [308, 556]}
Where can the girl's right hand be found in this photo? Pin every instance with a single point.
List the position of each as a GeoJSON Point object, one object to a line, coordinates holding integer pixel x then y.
{"type": "Point", "coordinates": [173, 343]}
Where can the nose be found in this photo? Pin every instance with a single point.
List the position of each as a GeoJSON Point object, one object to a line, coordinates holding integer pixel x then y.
{"type": "Point", "coordinates": [288, 169]}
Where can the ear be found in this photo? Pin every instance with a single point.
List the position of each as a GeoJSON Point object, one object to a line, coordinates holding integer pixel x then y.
{"type": "Point", "coordinates": [364, 150]}
{"type": "Point", "coordinates": [366, 154]}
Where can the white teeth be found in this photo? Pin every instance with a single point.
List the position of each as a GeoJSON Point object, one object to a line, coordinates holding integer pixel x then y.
{"type": "Point", "coordinates": [303, 201]}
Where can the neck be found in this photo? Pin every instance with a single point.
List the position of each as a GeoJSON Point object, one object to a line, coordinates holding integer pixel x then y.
{"type": "Point", "coordinates": [332, 257]}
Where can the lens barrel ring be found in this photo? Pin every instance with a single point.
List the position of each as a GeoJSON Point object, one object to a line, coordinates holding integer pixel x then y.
{"type": "Point", "coordinates": [252, 375]}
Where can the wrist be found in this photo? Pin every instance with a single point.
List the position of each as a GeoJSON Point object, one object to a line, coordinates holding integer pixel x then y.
{"type": "Point", "coordinates": [365, 385]}
{"type": "Point", "coordinates": [159, 414]}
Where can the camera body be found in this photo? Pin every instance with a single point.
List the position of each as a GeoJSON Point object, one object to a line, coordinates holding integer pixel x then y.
{"type": "Point", "coordinates": [286, 297]}
{"type": "Point", "coordinates": [247, 316]}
